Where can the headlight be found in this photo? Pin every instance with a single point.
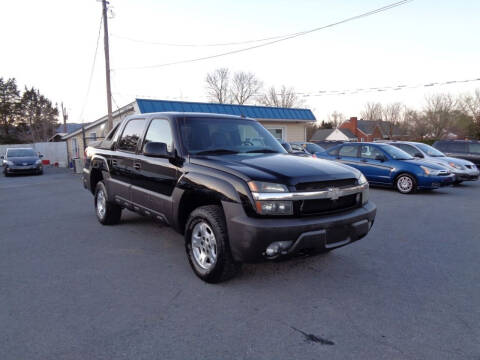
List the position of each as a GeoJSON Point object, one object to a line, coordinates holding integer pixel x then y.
{"type": "Point", "coordinates": [456, 166]}
{"type": "Point", "coordinates": [430, 171]}
{"type": "Point", "coordinates": [38, 162]}
{"type": "Point", "coordinates": [274, 207]}
{"type": "Point", "coordinates": [271, 207]}
{"type": "Point", "coordinates": [265, 187]}
{"type": "Point", "coordinates": [362, 180]}
{"type": "Point", "coordinates": [8, 162]}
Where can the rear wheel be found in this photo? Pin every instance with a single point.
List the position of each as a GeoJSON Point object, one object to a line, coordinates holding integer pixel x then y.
{"type": "Point", "coordinates": [207, 247]}
{"type": "Point", "coordinates": [405, 183]}
{"type": "Point", "coordinates": [107, 212]}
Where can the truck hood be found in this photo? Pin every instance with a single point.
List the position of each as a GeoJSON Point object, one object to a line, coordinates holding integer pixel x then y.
{"type": "Point", "coordinates": [278, 168]}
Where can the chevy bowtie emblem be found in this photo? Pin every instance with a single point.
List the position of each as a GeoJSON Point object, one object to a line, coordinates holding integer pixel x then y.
{"type": "Point", "coordinates": [333, 193]}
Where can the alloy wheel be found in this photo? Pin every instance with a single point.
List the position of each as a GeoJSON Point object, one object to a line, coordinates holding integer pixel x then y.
{"type": "Point", "coordinates": [204, 245]}
{"type": "Point", "coordinates": [405, 184]}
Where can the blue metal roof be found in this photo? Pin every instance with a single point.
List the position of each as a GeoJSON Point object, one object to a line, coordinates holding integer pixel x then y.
{"type": "Point", "coordinates": [256, 112]}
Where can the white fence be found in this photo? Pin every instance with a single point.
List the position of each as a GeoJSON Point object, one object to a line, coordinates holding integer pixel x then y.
{"type": "Point", "coordinates": [55, 152]}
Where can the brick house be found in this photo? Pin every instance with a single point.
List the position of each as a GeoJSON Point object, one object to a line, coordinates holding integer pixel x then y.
{"type": "Point", "coordinates": [371, 130]}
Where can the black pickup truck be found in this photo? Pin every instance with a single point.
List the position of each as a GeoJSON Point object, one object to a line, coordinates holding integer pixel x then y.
{"type": "Point", "coordinates": [228, 185]}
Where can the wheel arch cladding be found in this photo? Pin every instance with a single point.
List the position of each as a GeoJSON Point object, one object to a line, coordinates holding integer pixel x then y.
{"type": "Point", "coordinates": [200, 190]}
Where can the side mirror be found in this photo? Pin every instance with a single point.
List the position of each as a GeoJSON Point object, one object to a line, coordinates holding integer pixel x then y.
{"type": "Point", "coordinates": [40, 156]}
{"type": "Point", "coordinates": [2, 157]}
{"type": "Point", "coordinates": [380, 158]}
{"type": "Point", "coordinates": [418, 155]}
{"type": "Point", "coordinates": [156, 149]}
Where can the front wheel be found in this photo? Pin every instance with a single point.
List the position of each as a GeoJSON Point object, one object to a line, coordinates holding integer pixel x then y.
{"type": "Point", "coordinates": [405, 183]}
{"type": "Point", "coordinates": [207, 247]}
{"type": "Point", "coordinates": [107, 212]}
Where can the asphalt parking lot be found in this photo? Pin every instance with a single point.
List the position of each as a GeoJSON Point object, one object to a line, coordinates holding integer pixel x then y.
{"type": "Point", "coordinates": [73, 289]}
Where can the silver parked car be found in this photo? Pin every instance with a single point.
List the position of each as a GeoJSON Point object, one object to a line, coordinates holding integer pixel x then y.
{"type": "Point", "coordinates": [464, 170]}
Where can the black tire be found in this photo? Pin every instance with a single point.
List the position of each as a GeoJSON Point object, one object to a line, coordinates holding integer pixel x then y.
{"type": "Point", "coordinates": [112, 212]}
{"type": "Point", "coordinates": [223, 267]}
{"type": "Point", "coordinates": [6, 174]}
{"type": "Point", "coordinates": [406, 183]}
{"type": "Point", "coordinates": [457, 182]}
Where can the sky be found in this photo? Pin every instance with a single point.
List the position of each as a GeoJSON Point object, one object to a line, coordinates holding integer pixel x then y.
{"type": "Point", "coordinates": [51, 44]}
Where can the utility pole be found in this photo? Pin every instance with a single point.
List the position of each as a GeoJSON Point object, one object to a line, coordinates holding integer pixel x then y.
{"type": "Point", "coordinates": [65, 117]}
{"type": "Point", "coordinates": [107, 65]}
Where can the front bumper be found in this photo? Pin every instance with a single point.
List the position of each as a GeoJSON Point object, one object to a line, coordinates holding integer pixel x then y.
{"type": "Point", "coordinates": [467, 176]}
{"type": "Point", "coordinates": [434, 182]}
{"type": "Point", "coordinates": [249, 236]}
{"type": "Point", "coordinates": [18, 169]}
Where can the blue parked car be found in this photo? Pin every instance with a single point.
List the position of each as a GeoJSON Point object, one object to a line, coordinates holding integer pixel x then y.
{"type": "Point", "coordinates": [387, 165]}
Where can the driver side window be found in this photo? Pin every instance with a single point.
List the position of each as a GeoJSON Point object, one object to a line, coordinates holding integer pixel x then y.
{"type": "Point", "coordinates": [370, 152]}
{"type": "Point", "coordinates": [159, 131]}
{"type": "Point", "coordinates": [410, 150]}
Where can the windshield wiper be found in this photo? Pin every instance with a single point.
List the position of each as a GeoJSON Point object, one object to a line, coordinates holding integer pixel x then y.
{"type": "Point", "coordinates": [266, 150]}
{"type": "Point", "coordinates": [216, 151]}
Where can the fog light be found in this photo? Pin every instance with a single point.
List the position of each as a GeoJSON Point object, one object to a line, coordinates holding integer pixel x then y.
{"type": "Point", "coordinates": [277, 247]}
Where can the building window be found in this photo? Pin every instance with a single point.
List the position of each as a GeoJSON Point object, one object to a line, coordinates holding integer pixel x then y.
{"type": "Point", "coordinates": [93, 136]}
{"type": "Point", "coordinates": [278, 133]}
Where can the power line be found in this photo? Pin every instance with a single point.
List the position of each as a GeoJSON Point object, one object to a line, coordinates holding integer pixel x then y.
{"type": "Point", "coordinates": [382, 89]}
{"type": "Point", "coordinates": [200, 45]}
{"type": "Point", "coordinates": [91, 71]}
{"type": "Point", "coordinates": [288, 37]}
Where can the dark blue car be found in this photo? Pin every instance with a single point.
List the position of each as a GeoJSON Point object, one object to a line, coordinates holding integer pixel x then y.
{"type": "Point", "coordinates": [386, 165]}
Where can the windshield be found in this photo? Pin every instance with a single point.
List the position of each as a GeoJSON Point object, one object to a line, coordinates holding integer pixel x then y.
{"type": "Point", "coordinates": [20, 153]}
{"type": "Point", "coordinates": [314, 148]}
{"type": "Point", "coordinates": [396, 153]}
{"type": "Point", "coordinates": [430, 150]}
{"type": "Point", "coordinates": [202, 136]}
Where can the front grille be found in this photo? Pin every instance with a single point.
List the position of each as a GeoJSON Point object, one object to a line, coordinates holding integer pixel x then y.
{"type": "Point", "coordinates": [321, 206]}
{"type": "Point", "coordinates": [321, 185]}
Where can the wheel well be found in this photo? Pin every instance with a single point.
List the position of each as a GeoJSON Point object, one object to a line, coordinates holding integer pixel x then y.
{"type": "Point", "coordinates": [95, 177]}
{"type": "Point", "coordinates": [192, 200]}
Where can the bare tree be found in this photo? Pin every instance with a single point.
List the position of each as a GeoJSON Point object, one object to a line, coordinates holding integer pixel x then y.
{"type": "Point", "coordinates": [244, 86]}
{"type": "Point", "coordinates": [392, 115]}
{"type": "Point", "coordinates": [470, 104]}
{"type": "Point", "coordinates": [335, 118]}
{"type": "Point", "coordinates": [218, 85]}
{"type": "Point", "coordinates": [439, 111]}
{"type": "Point", "coordinates": [416, 123]}
{"type": "Point", "coordinates": [372, 111]}
{"type": "Point", "coordinates": [285, 97]}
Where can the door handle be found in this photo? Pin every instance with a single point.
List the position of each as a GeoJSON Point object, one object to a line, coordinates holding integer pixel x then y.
{"type": "Point", "coordinates": [364, 160]}
{"type": "Point", "coordinates": [114, 162]}
{"type": "Point", "coordinates": [136, 166]}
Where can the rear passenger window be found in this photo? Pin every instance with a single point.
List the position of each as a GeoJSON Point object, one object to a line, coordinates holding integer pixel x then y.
{"type": "Point", "coordinates": [457, 147]}
{"type": "Point", "coordinates": [474, 148]}
{"type": "Point", "coordinates": [348, 150]}
{"type": "Point", "coordinates": [131, 135]}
